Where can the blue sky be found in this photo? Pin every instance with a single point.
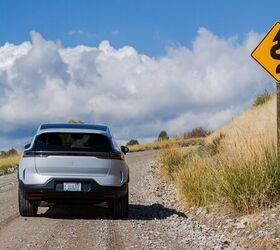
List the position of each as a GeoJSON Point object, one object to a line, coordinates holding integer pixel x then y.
{"type": "Point", "coordinates": [146, 65]}
{"type": "Point", "coordinates": [148, 26]}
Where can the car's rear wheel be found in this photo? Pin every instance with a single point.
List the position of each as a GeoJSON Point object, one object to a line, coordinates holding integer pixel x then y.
{"type": "Point", "coordinates": [26, 208]}
{"type": "Point", "coordinates": [119, 208]}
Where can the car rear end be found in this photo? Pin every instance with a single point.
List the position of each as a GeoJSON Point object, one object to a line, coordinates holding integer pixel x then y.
{"type": "Point", "coordinates": [67, 166]}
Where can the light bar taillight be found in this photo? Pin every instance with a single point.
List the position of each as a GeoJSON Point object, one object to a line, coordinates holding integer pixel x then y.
{"type": "Point", "coordinates": [116, 156]}
{"type": "Point", "coordinates": [28, 153]}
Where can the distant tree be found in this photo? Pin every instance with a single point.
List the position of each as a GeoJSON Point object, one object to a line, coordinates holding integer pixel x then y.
{"type": "Point", "coordinates": [132, 142]}
{"type": "Point", "coordinates": [12, 151]}
{"type": "Point", "coordinates": [163, 135]}
{"type": "Point", "coordinates": [75, 121]}
{"type": "Point", "coordinates": [9, 152]}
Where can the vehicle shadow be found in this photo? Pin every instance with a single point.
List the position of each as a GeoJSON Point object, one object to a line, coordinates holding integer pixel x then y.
{"type": "Point", "coordinates": [152, 212]}
{"type": "Point", "coordinates": [136, 212]}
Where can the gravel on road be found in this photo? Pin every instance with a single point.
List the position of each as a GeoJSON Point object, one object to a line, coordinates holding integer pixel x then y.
{"type": "Point", "coordinates": [155, 221]}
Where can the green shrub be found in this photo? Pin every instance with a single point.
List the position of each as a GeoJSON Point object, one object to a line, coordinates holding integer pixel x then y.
{"type": "Point", "coordinates": [262, 98]}
{"type": "Point", "coordinates": [132, 142]}
{"type": "Point", "coordinates": [163, 135]}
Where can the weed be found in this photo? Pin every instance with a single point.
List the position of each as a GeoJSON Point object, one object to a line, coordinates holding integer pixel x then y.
{"type": "Point", "coordinates": [214, 147]}
{"type": "Point", "coordinates": [262, 98]}
{"type": "Point", "coordinates": [170, 159]}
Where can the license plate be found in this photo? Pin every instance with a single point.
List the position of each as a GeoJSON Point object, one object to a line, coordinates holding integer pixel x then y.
{"type": "Point", "coordinates": [72, 186]}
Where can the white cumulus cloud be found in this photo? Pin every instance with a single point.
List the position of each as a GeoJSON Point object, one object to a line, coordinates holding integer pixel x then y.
{"type": "Point", "coordinates": [137, 95]}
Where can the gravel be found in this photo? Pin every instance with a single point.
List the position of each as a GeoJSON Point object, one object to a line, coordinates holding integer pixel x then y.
{"type": "Point", "coordinates": [157, 220]}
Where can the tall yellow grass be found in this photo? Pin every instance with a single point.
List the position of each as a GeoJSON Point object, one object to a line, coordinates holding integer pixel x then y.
{"type": "Point", "coordinates": [171, 159]}
{"type": "Point", "coordinates": [243, 173]}
{"type": "Point", "coordinates": [8, 162]}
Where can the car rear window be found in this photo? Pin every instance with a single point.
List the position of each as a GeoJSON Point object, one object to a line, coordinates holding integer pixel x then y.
{"type": "Point", "coordinates": [87, 142]}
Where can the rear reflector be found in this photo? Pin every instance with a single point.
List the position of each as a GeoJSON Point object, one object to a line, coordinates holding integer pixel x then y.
{"type": "Point", "coordinates": [35, 195]}
{"type": "Point", "coordinates": [110, 196]}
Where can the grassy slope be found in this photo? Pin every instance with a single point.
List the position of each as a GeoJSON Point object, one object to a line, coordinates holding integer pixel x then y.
{"type": "Point", "coordinates": [242, 173]}
{"type": "Point", "coordinates": [256, 122]}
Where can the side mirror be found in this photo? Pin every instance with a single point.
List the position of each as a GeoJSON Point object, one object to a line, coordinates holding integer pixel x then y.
{"type": "Point", "coordinates": [27, 146]}
{"type": "Point", "coordinates": [124, 149]}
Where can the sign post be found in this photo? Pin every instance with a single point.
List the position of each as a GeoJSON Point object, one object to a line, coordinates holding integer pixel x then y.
{"type": "Point", "coordinates": [278, 117]}
{"type": "Point", "coordinates": [267, 54]}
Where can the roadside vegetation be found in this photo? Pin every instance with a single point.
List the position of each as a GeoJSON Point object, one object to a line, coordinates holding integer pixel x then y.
{"type": "Point", "coordinates": [163, 135]}
{"type": "Point", "coordinates": [132, 142]}
{"type": "Point", "coordinates": [165, 141]}
{"type": "Point", "coordinates": [197, 133]}
{"type": "Point", "coordinates": [8, 161]}
{"type": "Point", "coordinates": [75, 121]}
{"type": "Point", "coordinates": [165, 144]}
{"type": "Point", "coordinates": [237, 167]}
{"type": "Point", "coordinates": [262, 98]}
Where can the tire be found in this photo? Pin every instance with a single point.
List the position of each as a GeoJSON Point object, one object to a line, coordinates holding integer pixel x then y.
{"type": "Point", "coordinates": [119, 208]}
{"type": "Point", "coordinates": [26, 207]}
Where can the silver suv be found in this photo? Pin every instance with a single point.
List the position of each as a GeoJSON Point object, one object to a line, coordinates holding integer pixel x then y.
{"type": "Point", "coordinates": [69, 164]}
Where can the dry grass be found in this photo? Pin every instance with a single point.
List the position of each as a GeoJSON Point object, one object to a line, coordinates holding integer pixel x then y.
{"type": "Point", "coordinates": [246, 180]}
{"type": "Point", "coordinates": [8, 162]}
{"type": "Point", "coordinates": [250, 125]}
{"type": "Point", "coordinates": [242, 172]}
{"type": "Point", "coordinates": [170, 160]}
{"type": "Point", "coordinates": [165, 144]}
{"type": "Point", "coordinates": [196, 182]}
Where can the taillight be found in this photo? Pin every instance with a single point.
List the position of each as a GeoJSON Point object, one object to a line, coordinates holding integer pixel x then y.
{"type": "Point", "coordinates": [28, 153]}
{"type": "Point", "coordinates": [116, 156]}
{"type": "Point", "coordinates": [34, 195]}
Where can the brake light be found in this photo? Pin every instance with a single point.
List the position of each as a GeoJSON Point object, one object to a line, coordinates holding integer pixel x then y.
{"type": "Point", "coordinates": [35, 195]}
{"type": "Point", "coordinates": [28, 153]}
{"type": "Point", "coordinates": [116, 156]}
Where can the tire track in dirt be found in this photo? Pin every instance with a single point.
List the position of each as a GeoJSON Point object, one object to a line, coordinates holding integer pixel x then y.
{"type": "Point", "coordinates": [8, 220]}
{"type": "Point", "coordinates": [115, 239]}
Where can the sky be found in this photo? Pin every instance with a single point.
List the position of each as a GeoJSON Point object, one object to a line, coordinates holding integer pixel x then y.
{"type": "Point", "coordinates": [138, 66]}
{"type": "Point", "coordinates": [148, 26]}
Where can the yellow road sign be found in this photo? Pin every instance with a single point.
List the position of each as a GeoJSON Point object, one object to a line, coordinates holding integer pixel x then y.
{"type": "Point", "coordinates": [267, 53]}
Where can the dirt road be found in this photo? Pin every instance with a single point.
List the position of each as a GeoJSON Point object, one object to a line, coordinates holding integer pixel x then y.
{"type": "Point", "coordinates": [151, 223]}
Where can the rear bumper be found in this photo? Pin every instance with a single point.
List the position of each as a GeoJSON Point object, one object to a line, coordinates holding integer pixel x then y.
{"type": "Point", "coordinates": [52, 192]}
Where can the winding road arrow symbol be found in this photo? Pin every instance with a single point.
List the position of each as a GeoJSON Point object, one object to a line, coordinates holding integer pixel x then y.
{"type": "Point", "coordinates": [275, 48]}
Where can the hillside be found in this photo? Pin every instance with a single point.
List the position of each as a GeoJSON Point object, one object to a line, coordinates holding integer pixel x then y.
{"type": "Point", "coordinates": [232, 183]}
{"type": "Point", "coordinates": [249, 126]}
{"type": "Point", "coordinates": [236, 166]}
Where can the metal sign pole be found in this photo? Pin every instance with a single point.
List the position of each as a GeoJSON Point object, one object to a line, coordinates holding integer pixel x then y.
{"type": "Point", "coordinates": [278, 117]}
